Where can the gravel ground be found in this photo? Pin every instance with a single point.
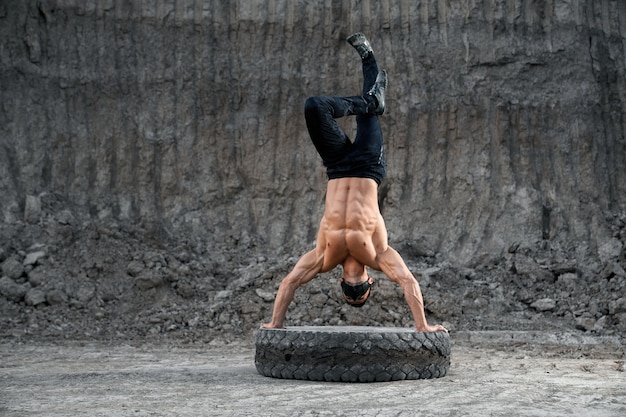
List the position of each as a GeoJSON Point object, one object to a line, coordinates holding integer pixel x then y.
{"type": "Point", "coordinates": [492, 373]}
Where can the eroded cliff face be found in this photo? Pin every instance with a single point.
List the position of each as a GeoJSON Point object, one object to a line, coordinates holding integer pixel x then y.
{"type": "Point", "coordinates": [505, 121]}
{"type": "Point", "coordinates": [157, 179]}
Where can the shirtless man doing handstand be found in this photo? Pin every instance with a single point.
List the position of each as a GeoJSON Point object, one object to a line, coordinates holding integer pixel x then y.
{"type": "Point", "coordinates": [352, 231]}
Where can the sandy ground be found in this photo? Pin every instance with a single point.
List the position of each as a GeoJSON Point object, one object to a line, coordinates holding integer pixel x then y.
{"type": "Point", "coordinates": [492, 374]}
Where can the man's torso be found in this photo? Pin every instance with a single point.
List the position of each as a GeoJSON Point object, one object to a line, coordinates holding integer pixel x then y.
{"type": "Point", "coordinates": [352, 223]}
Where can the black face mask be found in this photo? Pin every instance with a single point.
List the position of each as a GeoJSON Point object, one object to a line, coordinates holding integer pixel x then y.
{"type": "Point", "coordinates": [353, 292]}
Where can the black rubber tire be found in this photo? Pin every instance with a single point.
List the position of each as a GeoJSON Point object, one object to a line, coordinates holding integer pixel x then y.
{"type": "Point", "coordinates": [351, 353]}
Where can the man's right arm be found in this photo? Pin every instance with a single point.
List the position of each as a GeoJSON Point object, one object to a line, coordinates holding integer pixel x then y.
{"type": "Point", "coordinates": [305, 270]}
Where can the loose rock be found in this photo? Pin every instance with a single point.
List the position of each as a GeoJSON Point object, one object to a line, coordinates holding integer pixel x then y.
{"type": "Point", "coordinates": [618, 306]}
{"type": "Point", "coordinates": [34, 257]}
{"type": "Point", "coordinates": [12, 268]}
{"type": "Point", "coordinates": [148, 279]}
{"type": "Point", "coordinates": [85, 293]}
{"type": "Point", "coordinates": [134, 268]}
{"type": "Point", "coordinates": [544, 304]}
{"type": "Point", "coordinates": [585, 322]}
{"type": "Point", "coordinates": [266, 295]}
{"type": "Point", "coordinates": [12, 290]}
{"type": "Point", "coordinates": [34, 297]}
{"type": "Point", "coordinates": [56, 296]}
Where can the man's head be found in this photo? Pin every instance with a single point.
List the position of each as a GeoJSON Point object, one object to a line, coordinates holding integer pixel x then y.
{"type": "Point", "coordinates": [355, 284]}
{"type": "Point", "coordinates": [356, 294]}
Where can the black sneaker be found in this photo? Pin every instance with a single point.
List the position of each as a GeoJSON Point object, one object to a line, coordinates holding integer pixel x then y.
{"type": "Point", "coordinates": [361, 44]}
{"type": "Point", "coordinates": [378, 92]}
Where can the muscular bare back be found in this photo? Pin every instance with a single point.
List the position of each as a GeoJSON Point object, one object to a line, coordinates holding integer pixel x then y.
{"type": "Point", "coordinates": [352, 224]}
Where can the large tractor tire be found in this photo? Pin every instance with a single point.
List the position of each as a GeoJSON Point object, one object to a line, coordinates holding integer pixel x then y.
{"type": "Point", "coordinates": [351, 353]}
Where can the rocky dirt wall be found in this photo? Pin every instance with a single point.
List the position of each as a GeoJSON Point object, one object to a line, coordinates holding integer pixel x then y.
{"type": "Point", "coordinates": [151, 148]}
{"type": "Point", "coordinates": [505, 120]}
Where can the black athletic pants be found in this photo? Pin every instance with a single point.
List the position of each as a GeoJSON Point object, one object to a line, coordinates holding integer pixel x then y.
{"type": "Point", "coordinates": [343, 158]}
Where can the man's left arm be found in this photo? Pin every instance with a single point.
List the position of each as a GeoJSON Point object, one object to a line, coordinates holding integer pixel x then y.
{"type": "Point", "coordinates": [392, 265]}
